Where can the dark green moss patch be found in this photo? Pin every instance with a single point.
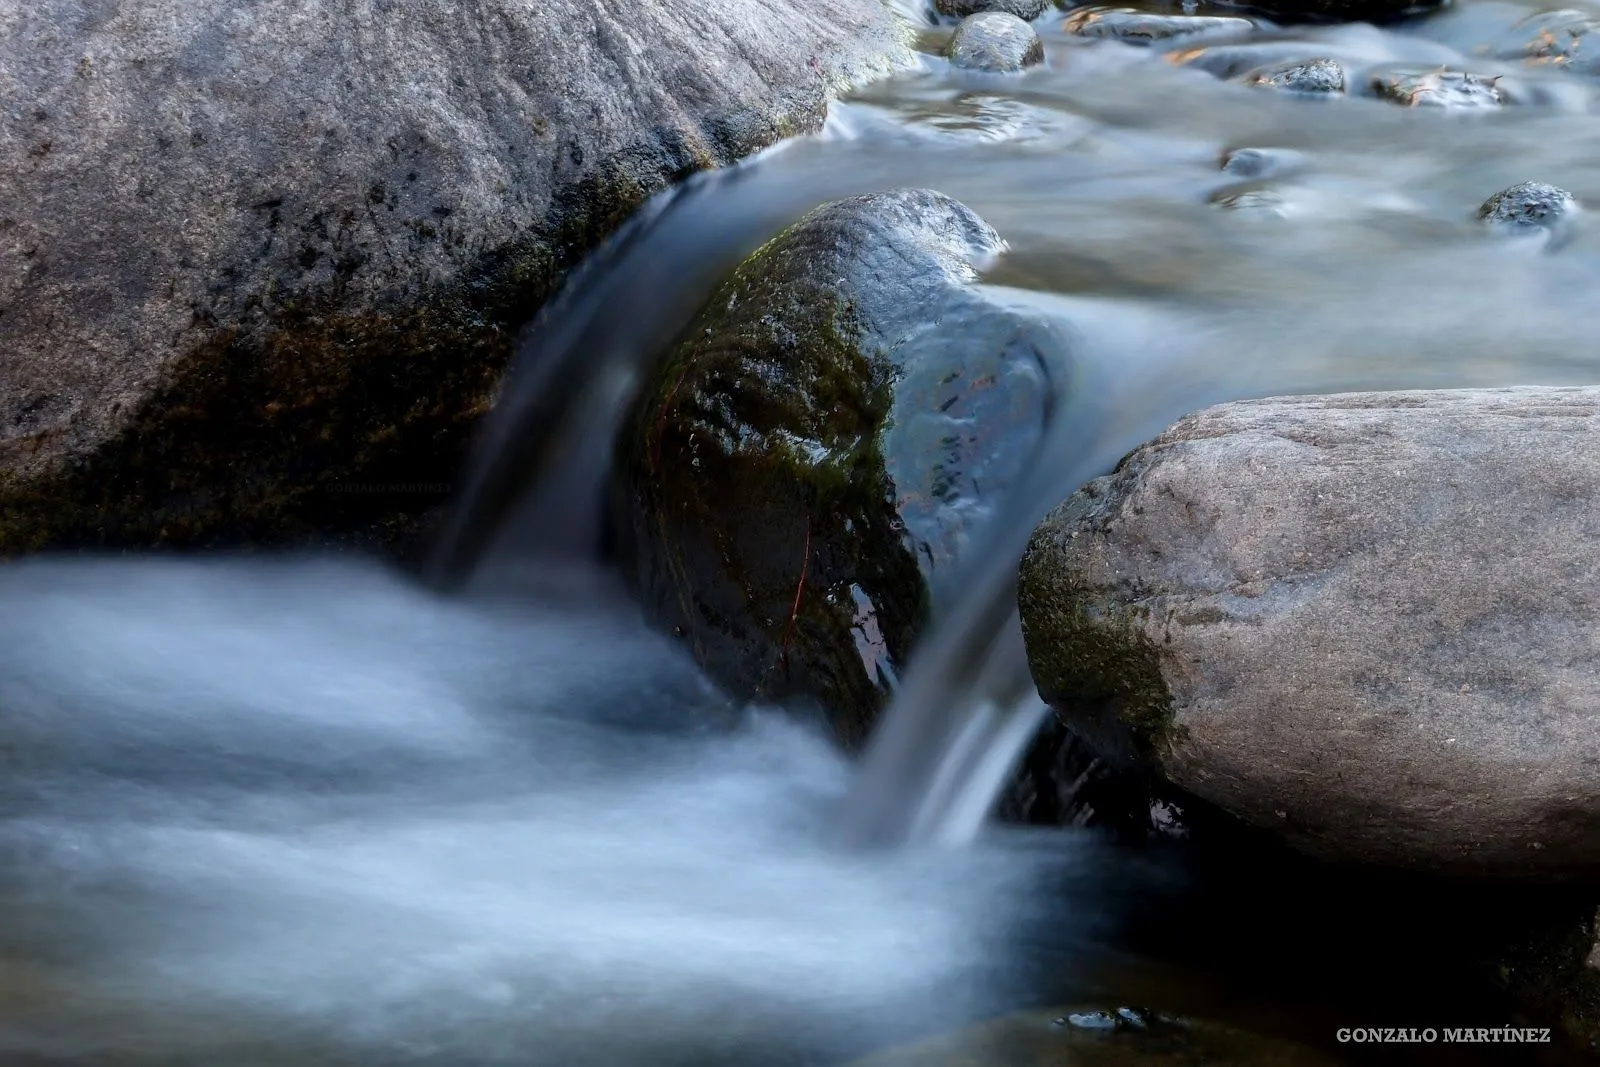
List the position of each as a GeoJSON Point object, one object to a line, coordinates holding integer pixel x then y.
{"type": "Point", "coordinates": [758, 496]}
{"type": "Point", "coordinates": [1090, 660]}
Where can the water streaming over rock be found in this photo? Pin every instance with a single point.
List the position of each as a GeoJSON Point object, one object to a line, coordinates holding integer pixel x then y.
{"type": "Point", "coordinates": [273, 812]}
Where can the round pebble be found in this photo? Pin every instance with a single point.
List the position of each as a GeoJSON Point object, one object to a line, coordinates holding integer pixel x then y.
{"type": "Point", "coordinates": [996, 42]}
{"type": "Point", "coordinates": [1528, 204]}
{"type": "Point", "coordinates": [1262, 162]}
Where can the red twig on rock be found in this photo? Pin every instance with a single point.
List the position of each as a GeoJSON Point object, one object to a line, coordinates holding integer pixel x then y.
{"type": "Point", "coordinates": [794, 609]}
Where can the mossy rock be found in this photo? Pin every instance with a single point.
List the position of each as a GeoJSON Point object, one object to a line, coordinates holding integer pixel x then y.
{"type": "Point", "coordinates": [803, 471]}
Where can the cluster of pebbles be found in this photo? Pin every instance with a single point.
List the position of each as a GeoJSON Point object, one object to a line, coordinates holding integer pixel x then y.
{"type": "Point", "coordinates": [996, 37]}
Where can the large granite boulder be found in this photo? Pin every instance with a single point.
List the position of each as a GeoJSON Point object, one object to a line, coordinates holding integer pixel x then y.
{"type": "Point", "coordinates": [260, 262]}
{"type": "Point", "coordinates": [1368, 624]}
{"type": "Point", "coordinates": [801, 474]}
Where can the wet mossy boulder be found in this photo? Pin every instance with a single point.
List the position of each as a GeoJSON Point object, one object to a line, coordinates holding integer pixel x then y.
{"type": "Point", "coordinates": [261, 263]}
{"type": "Point", "coordinates": [803, 471]}
{"type": "Point", "coordinates": [1363, 623]}
{"type": "Point", "coordinates": [1026, 10]}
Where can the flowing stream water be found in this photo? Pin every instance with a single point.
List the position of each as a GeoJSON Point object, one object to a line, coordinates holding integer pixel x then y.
{"type": "Point", "coordinates": [303, 811]}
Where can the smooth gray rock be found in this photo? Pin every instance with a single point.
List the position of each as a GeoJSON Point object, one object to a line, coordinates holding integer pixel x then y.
{"type": "Point", "coordinates": [251, 252]}
{"type": "Point", "coordinates": [1027, 10]}
{"type": "Point", "coordinates": [995, 42]}
{"type": "Point", "coordinates": [1369, 623]}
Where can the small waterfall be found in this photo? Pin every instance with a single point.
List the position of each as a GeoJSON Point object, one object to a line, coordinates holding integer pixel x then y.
{"type": "Point", "coordinates": [968, 708]}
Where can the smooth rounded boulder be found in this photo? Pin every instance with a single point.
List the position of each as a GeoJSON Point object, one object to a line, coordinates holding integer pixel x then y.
{"type": "Point", "coordinates": [996, 43]}
{"type": "Point", "coordinates": [801, 474]}
{"type": "Point", "coordinates": [261, 263]}
{"type": "Point", "coordinates": [1368, 624]}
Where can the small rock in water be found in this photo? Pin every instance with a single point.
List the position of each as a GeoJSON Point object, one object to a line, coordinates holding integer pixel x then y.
{"type": "Point", "coordinates": [1138, 27]}
{"type": "Point", "coordinates": [1311, 77]}
{"type": "Point", "coordinates": [1439, 88]}
{"type": "Point", "coordinates": [1528, 204]}
{"type": "Point", "coordinates": [1027, 10]}
{"type": "Point", "coordinates": [1554, 38]}
{"type": "Point", "coordinates": [996, 42]}
{"type": "Point", "coordinates": [1121, 1019]}
{"type": "Point", "coordinates": [1262, 162]}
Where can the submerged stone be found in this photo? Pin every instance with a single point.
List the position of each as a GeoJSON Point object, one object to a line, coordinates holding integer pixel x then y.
{"type": "Point", "coordinates": [802, 472]}
{"type": "Point", "coordinates": [1528, 205]}
{"type": "Point", "coordinates": [1091, 1036]}
{"type": "Point", "coordinates": [1559, 39]}
{"type": "Point", "coordinates": [995, 42]}
{"type": "Point", "coordinates": [1258, 200]}
{"type": "Point", "coordinates": [1311, 77]}
{"type": "Point", "coordinates": [1439, 88]}
{"type": "Point", "coordinates": [1138, 27]}
{"type": "Point", "coordinates": [1262, 162]}
{"type": "Point", "coordinates": [1027, 10]}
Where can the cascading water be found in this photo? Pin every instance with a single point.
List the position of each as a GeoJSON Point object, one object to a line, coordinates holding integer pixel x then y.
{"type": "Point", "coordinates": [304, 812]}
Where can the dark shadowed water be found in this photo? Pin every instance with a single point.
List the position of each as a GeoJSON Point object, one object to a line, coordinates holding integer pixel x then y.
{"type": "Point", "coordinates": [306, 812]}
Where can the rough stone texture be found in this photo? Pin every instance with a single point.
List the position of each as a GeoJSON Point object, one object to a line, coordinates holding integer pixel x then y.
{"type": "Point", "coordinates": [1528, 205]}
{"type": "Point", "coordinates": [1439, 88]}
{"type": "Point", "coordinates": [1027, 10]}
{"type": "Point", "coordinates": [801, 473]}
{"type": "Point", "coordinates": [1366, 623]}
{"type": "Point", "coordinates": [1312, 77]}
{"type": "Point", "coordinates": [995, 42]}
{"type": "Point", "coordinates": [260, 262]}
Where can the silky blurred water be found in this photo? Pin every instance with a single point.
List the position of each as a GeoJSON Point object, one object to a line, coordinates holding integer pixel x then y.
{"type": "Point", "coordinates": [302, 811]}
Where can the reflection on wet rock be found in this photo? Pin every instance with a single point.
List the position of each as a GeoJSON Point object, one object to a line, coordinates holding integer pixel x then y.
{"type": "Point", "coordinates": [995, 42]}
{"type": "Point", "coordinates": [1439, 88]}
{"type": "Point", "coordinates": [1313, 77]}
{"type": "Point", "coordinates": [1528, 205]}
{"type": "Point", "coordinates": [1028, 10]}
{"type": "Point", "coordinates": [1139, 27]}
